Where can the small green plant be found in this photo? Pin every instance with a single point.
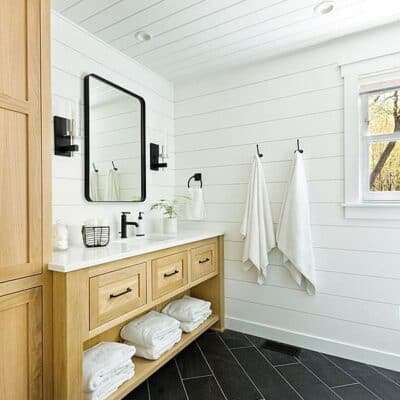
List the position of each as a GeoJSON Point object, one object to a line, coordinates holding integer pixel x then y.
{"type": "Point", "coordinates": [168, 207]}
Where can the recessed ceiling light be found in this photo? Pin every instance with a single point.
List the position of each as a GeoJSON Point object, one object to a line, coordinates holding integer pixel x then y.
{"type": "Point", "coordinates": [142, 36]}
{"type": "Point", "coordinates": [324, 7]}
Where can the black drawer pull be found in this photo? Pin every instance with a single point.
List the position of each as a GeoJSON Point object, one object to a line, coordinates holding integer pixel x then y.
{"type": "Point", "coordinates": [167, 275]}
{"type": "Point", "coordinates": [204, 261]}
{"type": "Point", "coordinates": [113, 296]}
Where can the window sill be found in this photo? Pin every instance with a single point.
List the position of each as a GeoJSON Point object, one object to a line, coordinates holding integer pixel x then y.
{"type": "Point", "coordinates": [386, 211]}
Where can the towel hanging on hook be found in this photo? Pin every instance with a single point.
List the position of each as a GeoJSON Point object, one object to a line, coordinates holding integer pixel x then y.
{"type": "Point", "coordinates": [298, 147]}
{"type": "Point", "coordinates": [114, 167]}
{"type": "Point", "coordinates": [258, 152]}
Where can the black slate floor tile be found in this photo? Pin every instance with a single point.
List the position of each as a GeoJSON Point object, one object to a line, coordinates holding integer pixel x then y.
{"type": "Point", "coordinates": [166, 384]}
{"type": "Point", "coordinates": [354, 392]}
{"type": "Point", "coordinates": [306, 384]}
{"type": "Point", "coordinates": [325, 370]}
{"type": "Point", "coordinates": [265, 377]}
{"type": "Point", "coordinates": [275, 357]}
{"type": "Point", "coordinates": [140, 393]}
{"type": "Point", "coordinates": [234, 382]}
{"type": "Point", "coordinates": [235, 339]}
{"type": "Point", "coordinates": [205, 388]}
{"type": "Point", "coordinates": [375, 382]}
{"type": "Point", "coordinates": [393, 375]}
{"type": "Point", "coordinates": [191, 362]}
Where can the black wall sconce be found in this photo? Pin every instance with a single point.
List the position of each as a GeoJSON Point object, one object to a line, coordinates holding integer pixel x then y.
{"type": "Point", "coordinates": [63, 137]}
{"type": "Point", "coordinates": [155, 164]}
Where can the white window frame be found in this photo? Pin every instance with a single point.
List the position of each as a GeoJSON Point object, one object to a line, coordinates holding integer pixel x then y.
{"type": "Point", "coordinates": [375, 72]}
{"type": "Point", "coordinates": [366, 140]}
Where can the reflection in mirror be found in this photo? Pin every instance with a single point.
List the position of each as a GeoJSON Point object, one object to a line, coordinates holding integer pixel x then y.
{"type": "Point", "coordinates": [114, 142]}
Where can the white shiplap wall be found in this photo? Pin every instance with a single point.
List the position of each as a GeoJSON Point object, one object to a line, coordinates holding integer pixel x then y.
{"type": "Point", "coordinates": [76, 53]}
{"type": "Point", "coordinates": [219, 120]}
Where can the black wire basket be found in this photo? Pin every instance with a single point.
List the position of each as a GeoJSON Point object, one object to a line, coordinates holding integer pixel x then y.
{"type": "Point", "coordinates": [96, 236]}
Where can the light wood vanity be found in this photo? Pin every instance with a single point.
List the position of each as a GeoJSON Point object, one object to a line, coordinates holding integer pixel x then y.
{"type": "Point", "coordinates": [92, 304]}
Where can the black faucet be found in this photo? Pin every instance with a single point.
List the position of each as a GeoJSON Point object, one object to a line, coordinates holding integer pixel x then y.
{"type": "Point", "coordinates": [125, 223]}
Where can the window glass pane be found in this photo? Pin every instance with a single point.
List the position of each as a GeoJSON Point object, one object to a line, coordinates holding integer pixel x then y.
{"type": "Point", "coordinates": [384, 166]}
{"type": "Point", "coordinates": [384, 112]}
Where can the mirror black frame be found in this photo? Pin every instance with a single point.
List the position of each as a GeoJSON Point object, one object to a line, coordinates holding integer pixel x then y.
{"type": "Point", "coordinates": [86, 92]}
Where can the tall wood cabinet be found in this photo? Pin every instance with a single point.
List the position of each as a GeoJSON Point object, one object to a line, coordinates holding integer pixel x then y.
{"type": "Point", "coordinates": [25, 284]}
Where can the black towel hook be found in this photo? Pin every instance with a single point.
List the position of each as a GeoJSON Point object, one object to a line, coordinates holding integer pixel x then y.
{"type": "Point", "coordinates": [94, 167]}
{"type": "Point", "coordinates": [196, 177]}
{"type": "Point", "coordinates": [298, 147]}
{"type": "Point", "coordinates": [114, 167]}
{"type": "Point", "coordinates": [258, 152]}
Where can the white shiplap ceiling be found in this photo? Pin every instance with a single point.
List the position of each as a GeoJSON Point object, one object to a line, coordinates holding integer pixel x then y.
{"type": "Point", "coordinates": [191, 37]}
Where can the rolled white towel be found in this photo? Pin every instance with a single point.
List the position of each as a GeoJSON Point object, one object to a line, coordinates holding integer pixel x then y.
{"type": "Point", "coordinates": [100, 360]}
{"type": "Point", "coordinates": [187, 309]}
{"type": "Point", "coordinates": [191, 326]}
{"type": "Point", "coordinates": [149, 330]}
{"type": "Point", "coordinates": [155, 352]}
{"type": "Point", "coordinates": [113, 382]}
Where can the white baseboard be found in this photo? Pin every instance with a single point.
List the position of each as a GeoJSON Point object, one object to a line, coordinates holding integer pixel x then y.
{"type": "Point", "coordinates": [340, 349]}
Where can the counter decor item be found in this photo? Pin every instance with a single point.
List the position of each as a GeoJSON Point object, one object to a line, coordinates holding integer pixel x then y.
{"type": "Point", "coordinates": [170, 209]}
{"type": "Point", "coordinates": [60, 236]}
{"type": "Point", "coordinates": [95, 236]}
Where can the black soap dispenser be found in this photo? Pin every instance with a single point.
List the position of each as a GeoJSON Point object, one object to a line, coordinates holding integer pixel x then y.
{"type": "Point", "coordinates": [140, 231]}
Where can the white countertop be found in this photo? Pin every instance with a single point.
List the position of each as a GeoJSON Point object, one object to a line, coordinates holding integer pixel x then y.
{"type": "Point", "coordinates": [81, 257]}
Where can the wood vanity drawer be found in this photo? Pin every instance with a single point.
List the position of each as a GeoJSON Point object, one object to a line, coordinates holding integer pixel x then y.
{"type": "Point", "coordinates": [203, 260]}
{"type": "Point", "coordinates": [169, 273]}
{"type": "Point", "coordinates": [116, 293]}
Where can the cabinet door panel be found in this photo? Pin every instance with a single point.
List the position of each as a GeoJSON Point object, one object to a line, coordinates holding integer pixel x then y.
{"type": "Point", "coordinates": [21, 345]}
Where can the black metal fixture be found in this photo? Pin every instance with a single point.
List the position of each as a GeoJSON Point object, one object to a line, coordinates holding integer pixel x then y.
{"type": "Point", "coordinates": [125, 223]}
{"type": "Point", "coordinates": [298, 147]}
{"type": "Point", "coordinates": [94, 167]}
{"type": "Point", "coordinates": [197, 178]}
{"type": "Point", "coordinates": [114, 167]}
{"type": "Point", "coordinates": [62, 137]}
{"type": "Point", "coordinates": [155, 164]}
{"type": "Point", "coordinates": [258, 152]}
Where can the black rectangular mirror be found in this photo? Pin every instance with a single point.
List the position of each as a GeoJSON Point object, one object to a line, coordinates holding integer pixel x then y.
{"type": "Point", "coordinates": [115, 148]}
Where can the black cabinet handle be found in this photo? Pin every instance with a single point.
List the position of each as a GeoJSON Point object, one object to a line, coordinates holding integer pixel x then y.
{"type": "Point", "coordinates": [167, 275]}
{"type": "Point", "coordinates": [113, 296]}
{"type": "Point", "coordinates": [204, 261]}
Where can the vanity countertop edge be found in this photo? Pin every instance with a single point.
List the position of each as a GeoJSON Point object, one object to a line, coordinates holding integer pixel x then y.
{"type": "Point", "coordinates": [80, 257]}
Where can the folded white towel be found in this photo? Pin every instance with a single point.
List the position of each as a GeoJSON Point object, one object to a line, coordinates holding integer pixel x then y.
{"type": "Point", "coordinates": [195, 208]}
{"type": "Point", "coordinates": [149, 330]}
{"type": "Point", "coordinates": [101, 360]}
{"type": "Point", "coordinates": [187, 309]}
{"type": "Point", "coordinates": [155, 352]}
{"type": "Point", "coordinates": [257, 225]}
{"type": "Point", "coordinates": [191, 326]}
{"type": "Point", "coordinates": [294, 230]}
{"type": "Point", "coordinates": [113, 382]}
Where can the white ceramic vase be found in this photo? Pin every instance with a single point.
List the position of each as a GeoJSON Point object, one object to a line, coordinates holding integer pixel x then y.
{"type": "Point", "coordinates": [170, 226]}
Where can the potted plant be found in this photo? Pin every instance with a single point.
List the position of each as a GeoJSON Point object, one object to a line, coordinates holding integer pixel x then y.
{"type": "Point", "coordinates": [170, 209]}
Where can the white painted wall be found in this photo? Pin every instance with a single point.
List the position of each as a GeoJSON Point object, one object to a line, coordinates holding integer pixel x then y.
{"type": "Point", "coordinates": [76, 53]}
{"type": "Point", "coordinates": [219, 120]}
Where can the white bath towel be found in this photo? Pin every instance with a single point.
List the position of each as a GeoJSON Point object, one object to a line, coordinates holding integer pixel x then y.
{"type": "Point", "coordinates": [155, 352]}
{"type": "Point", "coordinates": [195, 208]}
{"type": "Point", "coordinates": [112, 383]}
{"type": "Point", "coordinates": [187, 309]}
{"type": "Point", "coordinates": [257, 226]}
{"type": "Point", "coordinates": [101, 360]}
{"type": "Point", "coordinates": [94, 186]}
{"type": "Point", "coordinates": [294, 230]}
{"type": "Point", "coordinates": [112, 192]}
{"type": "Point", "coordinates": [149, 329]}
{"type": "Point", "coordinates": [191, 326]}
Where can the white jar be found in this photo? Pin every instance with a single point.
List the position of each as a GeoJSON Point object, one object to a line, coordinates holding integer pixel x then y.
{"type": "Point", "coordinates": [170, 226]}
{"type": "Point", "coordinates": [60, 236]}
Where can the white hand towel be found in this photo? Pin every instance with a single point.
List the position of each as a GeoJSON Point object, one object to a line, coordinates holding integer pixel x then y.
{"type": "Point", "coordinates": [112, 192]}
{"type": "Point", "coordinates": [94, 186]}
{"type": "Point", "coordinates": [257, 226]}
{"type": "Point", "coordinates": [101, 360]}
{"type": "Point", "coordinates": [191, 326]}
{"type": "Point", "coordinates": [115, 380]}
{"type": "Point", "coordinates": [155, 352]}
{"type": "Point", "coordinates": [149, 329]}
{"type": "Point", "coordinates": [195, 208]}
{"type": "Point", "coordinates": [294, 230]}
{"type": "Point", "coordinates": [187, 308]}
